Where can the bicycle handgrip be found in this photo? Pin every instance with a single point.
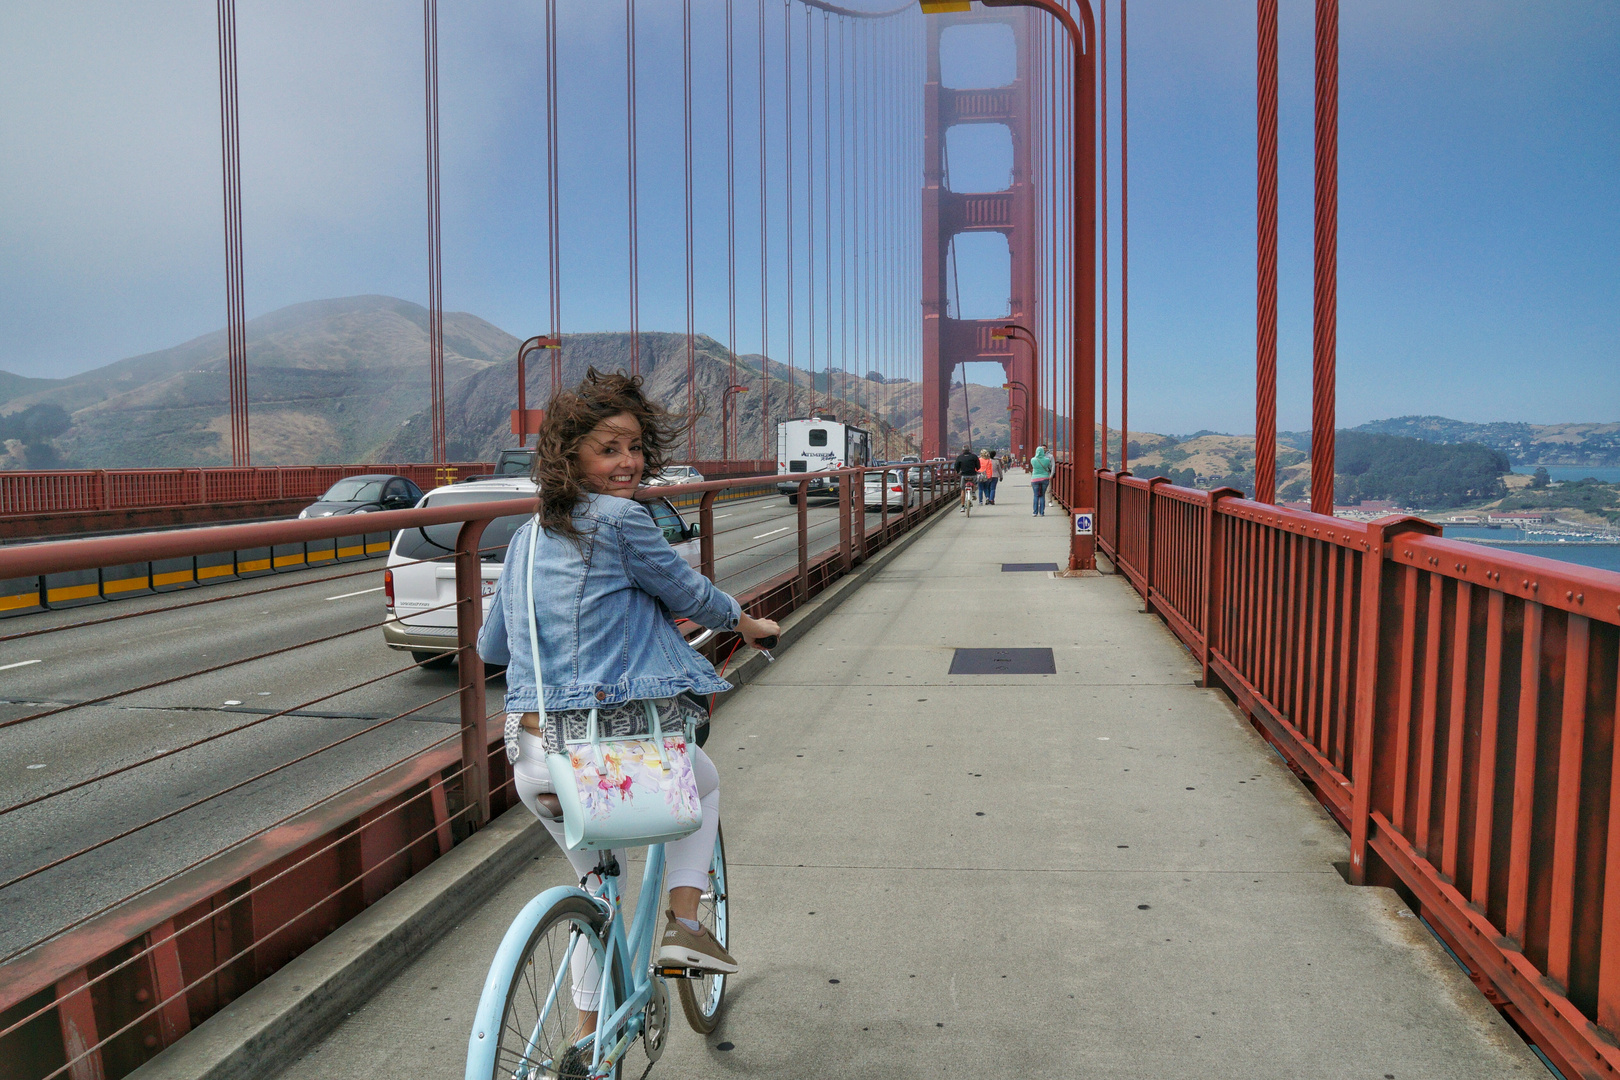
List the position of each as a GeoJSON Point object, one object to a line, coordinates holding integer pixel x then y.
{"type": "Point", "coordinates": [766, 642]}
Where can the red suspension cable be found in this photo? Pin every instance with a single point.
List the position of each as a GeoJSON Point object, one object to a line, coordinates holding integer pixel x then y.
{"type": "Point", "coordinates": [632, 183]}
{"type": "Point", "coordinates": [1265, 315]}
{"type": "Point", "coordinates": [686, 120]}
{"type": "Point", "coordinates": [1325, 287]}
{"type": "Point", "coordinates": [765, 448]}
{"type": "Point", "coordinates": [728, 434]}
{"type": "Point", "coordinates": [553, 217]}
{"type": "Point", "coordinates": [1124, 249]}
{"type": "Point", "coordinates": [430, 63]}
{"type": "Point", "coordinates": [230, 152]}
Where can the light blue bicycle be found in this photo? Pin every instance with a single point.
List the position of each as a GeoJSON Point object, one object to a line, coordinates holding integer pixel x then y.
{"type": "Point", "coordinates": [529, 1022]}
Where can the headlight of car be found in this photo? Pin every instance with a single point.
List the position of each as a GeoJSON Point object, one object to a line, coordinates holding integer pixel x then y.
{"type": "Point", "coordinates": [303, 513]}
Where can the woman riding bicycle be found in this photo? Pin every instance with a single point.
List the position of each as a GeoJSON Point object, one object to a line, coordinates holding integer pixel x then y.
{"type": "Point", "coordinates": [607, 588]}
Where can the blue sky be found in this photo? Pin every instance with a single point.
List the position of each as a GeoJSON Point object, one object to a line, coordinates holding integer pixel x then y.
{"type": "Point", "coordinates": [1479, 191]}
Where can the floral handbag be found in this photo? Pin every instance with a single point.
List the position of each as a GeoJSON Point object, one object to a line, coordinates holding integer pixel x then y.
{"type": "Point", "coordinates": [617, 791]}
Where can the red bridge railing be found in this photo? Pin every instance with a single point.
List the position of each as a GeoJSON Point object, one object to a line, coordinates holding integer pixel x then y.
{"type": "Point", "coordinates": [1453, 706]}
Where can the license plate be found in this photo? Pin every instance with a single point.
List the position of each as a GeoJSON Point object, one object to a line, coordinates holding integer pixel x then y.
{"type": "Point", "coordinates": [489, 588]}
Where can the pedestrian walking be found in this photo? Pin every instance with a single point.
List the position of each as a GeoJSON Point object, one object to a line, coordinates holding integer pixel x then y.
{"type": "Point", "coordinates": [1000, 463]}
{"type": "Point", "coordinates": [987, 478]}
{"type": "Point", "coordinates": [1040, 474]}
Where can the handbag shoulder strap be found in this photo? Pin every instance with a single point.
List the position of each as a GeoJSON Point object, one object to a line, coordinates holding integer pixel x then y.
{"type": "Point", "coordinates": [534, 630]}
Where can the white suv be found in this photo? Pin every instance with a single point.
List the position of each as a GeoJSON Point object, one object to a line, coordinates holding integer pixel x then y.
{"type": "Point", "coordinates": [420, 582]}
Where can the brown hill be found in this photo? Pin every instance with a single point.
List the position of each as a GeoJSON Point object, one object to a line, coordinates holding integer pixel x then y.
{"type": "Point", "coordinates": [328, 381]}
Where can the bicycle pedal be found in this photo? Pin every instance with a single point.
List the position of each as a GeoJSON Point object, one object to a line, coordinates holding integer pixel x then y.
{"type": "Point", "coordinates": [678, 973]}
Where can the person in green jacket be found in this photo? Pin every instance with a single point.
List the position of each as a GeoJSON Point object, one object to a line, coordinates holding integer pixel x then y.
{"type": "Point", "coordinates": [1040, 473]}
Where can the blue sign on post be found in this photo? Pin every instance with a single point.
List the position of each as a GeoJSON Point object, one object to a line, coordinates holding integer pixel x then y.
{"type": "Point", "coordinates": [1082, 524]}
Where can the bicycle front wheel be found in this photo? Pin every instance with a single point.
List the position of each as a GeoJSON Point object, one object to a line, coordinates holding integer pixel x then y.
{"type": "Point", "coordinates": [541, 1033]}
{"type": "Point", "coordinates": [701, 998]}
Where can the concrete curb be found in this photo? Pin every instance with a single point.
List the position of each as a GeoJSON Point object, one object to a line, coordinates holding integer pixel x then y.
{"type": "Point", "coordinates": [264, 1029]}
{"type": "Point", "coordinates": [260, 1032]}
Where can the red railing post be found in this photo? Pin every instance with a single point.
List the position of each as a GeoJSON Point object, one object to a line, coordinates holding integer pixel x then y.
{"type": "Point", "coordinates": [804, 540]}
{"type": "Point", "coordinates": [1380, 535]}
{"type": "Point", "coordinates": [1214, 605]}
{"type": "Point", "coordinates": [845, 502]}
{"type": "Point", "coordinates": [860, 519]}
{"type": "Point", "coordinates": [1146, 568]}
{"type": "Point", "coordinates": [470, 669]}
{"type": "Point", "coordinates": [706, 534]}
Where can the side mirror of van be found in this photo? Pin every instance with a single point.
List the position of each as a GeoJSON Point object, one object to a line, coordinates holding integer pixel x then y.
{"type": "Point", "coordinates": [694, 530]}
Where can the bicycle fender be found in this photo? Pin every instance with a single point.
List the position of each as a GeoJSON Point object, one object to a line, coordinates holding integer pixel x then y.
{"type": "Point", "coordinates": [485, 1035]}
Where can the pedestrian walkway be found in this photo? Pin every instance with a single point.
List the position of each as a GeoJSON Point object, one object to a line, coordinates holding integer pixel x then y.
{"type": "Point", "coordinates": [1100, 872]}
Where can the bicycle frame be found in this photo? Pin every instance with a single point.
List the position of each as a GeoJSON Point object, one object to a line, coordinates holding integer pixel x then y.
{"type": "Point", "coordinates": [628, 955]}
{"type": "Point", "coordinates": [632, 956]}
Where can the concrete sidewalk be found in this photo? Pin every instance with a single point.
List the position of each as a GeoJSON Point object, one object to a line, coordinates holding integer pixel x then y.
{"type": "Point", "coordinates": [1102, 872]}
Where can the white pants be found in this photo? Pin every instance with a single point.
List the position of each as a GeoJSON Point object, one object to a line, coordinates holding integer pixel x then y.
{"type": "Point", "coordinates": [686, 860]}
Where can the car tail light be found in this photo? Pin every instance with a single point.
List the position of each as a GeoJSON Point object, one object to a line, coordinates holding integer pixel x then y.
{"type": "Point", "coordinates": [388, 587]}
{"type": "Point", "coordinates": [897, 488]}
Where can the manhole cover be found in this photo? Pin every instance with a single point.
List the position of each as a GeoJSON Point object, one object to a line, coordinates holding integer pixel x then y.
{"type": "Point", "coordinates": [1003, 662]}
{"type": "Point", "coordinates": [1027, 567]}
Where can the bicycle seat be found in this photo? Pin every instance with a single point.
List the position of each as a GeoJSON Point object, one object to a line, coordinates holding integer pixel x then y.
{"type": "Point", "coordinates": [549, 805]}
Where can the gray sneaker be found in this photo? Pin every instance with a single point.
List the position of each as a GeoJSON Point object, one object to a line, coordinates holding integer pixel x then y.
{"type": "Point", "coordinates": [682, 948]}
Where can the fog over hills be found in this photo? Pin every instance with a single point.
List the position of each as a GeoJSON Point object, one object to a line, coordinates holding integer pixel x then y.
{"type": "Point", "coordinates": [328, 381]}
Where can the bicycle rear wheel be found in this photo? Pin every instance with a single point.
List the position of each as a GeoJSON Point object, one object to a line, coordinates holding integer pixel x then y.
{"type": "Point", "coordinates": [700, 998]}
{"type": "Point", "coordinates": [540, 1020]}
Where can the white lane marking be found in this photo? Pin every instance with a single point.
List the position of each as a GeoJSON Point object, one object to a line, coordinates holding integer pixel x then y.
{"type": "Point", "coordinates": [362, 592]}
{"type": "Point", "coordinates": [717, 517]}
{"type": "Point", "coordinates": [36, 766]}
{"type": "Point", "coordinates": [773, 532]}
{"type": "Point", "coordinates": [233, 701]}
{"type": "Point", "coordinates": [20, 663]}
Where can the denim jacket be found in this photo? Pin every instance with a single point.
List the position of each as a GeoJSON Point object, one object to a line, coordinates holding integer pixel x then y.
{"type": "Point", "coordinates": [605, 612]}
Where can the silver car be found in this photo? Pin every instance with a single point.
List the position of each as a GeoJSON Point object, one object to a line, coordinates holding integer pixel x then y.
{"type": "Point", "coordinates": [419, 584]}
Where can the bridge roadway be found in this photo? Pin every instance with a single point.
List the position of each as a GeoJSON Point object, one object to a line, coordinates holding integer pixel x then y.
{"type": "Point", "coordinates": [77, 665]}
{"type": "Point", "coordinates": [1103, 872]}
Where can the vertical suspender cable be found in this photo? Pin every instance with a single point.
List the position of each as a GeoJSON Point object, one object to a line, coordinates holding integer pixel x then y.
{"type": "Point", "coordinates": [1124, 246]}
{"type": "Point", "coordinates": [826, 188]}
{"type": "Point", "coordinates": [553, 217]}
{"type": "Point", "coordinates": [765, 444]}
{"type": "Point", "coordinates": [843, 219]}
{"type": "Point", "coordinates": [810, 203]}
{"type": "Point", "coordinates": [430, 55]}
{"type": "Point", "coordinates": [631, 183]}
{"type": "Point", "coordinates": [1265, 314]}
{"type": "Point", "coordinates": [787, 142]}
{"type": "Point", "coordinates": [686, 123]}
{"type": "Point", "coordinates": [1325, 305]}
{"type": "Point", "coordinates": [1102, 206]}
{"type": "Point", "coordinates": [230, 152]}
{"type": "Point", "coordinates": [728, 433]}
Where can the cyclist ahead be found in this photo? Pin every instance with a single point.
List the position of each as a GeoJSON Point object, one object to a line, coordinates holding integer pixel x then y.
{"type": "Point", "coordinates": [967, 467]}
{"type": "Point", "coordinates": [607, 590]}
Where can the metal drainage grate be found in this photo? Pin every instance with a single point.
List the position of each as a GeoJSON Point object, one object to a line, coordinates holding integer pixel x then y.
{"type": "Point", "coordinates": [1026, 567]}
{"type": "Point", "coordinates": [1003, 662]}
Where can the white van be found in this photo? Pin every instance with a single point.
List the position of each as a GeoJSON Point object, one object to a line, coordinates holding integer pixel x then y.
{"type": "Point", "coordinates": [421, 595]}
{"type": "Point", "coordinates": [818, 444]}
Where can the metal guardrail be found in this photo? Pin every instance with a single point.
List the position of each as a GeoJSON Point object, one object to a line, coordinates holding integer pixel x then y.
{"type": "Point", "coordinates": [72, 501]}
{"type": "Point", "coordinates": [1452, 705]}
{"type": "Point", "coordinates": [107, 990]}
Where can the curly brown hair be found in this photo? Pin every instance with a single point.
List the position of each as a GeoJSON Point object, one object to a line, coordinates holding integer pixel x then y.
{"type": "Point", "coordinates": [573, 414]}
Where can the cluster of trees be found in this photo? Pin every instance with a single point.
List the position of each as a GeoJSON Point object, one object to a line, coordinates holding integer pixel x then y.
{"type": "Point", "coordinates": [35, 427]}
{"type": "Point", "coordinates": [1413, 472]}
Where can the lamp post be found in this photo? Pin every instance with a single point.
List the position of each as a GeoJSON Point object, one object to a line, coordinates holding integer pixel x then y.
{"type": "Point", "coordinates": [725, 422]}
{"type": "Point", "coordinates": [520, 417]}
{"type": "Point", "coordinates": [1010, 386]}
{"type": "Point", "coordinates": [1032, 404]}
{"type": "Point", "coordinates": [1082, 489]}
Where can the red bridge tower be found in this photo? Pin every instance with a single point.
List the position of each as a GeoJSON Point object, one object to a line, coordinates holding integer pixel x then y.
{"type": "Point", "coordinates": [948, 342]}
